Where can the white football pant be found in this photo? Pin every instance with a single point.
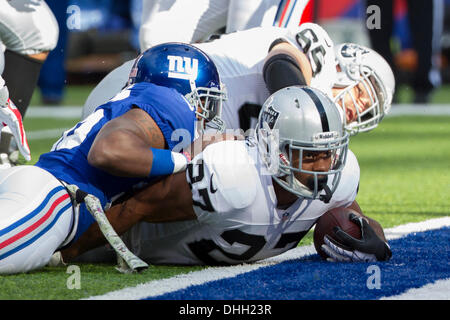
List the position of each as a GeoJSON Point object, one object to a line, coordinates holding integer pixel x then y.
{"type": "Point", "coordinates": [35, 218]}
{"type": "Point", "coordinates": [27, 27]}
{"type": "Point", "coordinates": [193, 21]}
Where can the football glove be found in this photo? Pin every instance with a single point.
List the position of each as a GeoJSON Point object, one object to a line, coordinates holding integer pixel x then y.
{"type": "Point", "coordinates": [11, 117]}
{"type": "Point", "coordinates": [369, 248]}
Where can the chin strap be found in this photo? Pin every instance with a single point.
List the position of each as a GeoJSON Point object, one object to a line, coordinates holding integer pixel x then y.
{"type": "Point", "coordinates": [327, 196]}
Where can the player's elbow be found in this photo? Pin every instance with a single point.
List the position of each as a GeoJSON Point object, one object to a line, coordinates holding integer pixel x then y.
{"type": "Point", "coordinates": [109, 151]}
{"type": "Point", "coordinates": [286, 66]}
{"type": "Point", "coordinates": [101, 155]}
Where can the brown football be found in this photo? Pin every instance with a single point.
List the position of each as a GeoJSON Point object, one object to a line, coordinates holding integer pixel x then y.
{"type": "Point", "coordinates": [329, 220]}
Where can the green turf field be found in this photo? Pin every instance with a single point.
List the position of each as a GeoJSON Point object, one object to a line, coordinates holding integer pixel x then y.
{"type": "Point", "coordinates": [76, 95]}
{"type": "Point", "coordinates": [405, 177]}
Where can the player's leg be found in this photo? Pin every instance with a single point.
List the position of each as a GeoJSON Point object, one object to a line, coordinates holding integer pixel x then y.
{"type": "Point", "coordinates": [292, 13]}
{"type": "Point", "coordinates": [248, 14]}
{"type": "Point", "coordinates": [36, 217]}
{"type": "Point", "coordinates": [186, 21]}
{"type": "Point", "coordinates": [28, 31]}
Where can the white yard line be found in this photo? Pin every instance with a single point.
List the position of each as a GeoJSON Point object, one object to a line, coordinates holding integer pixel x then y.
{"type": "Point", "coordinates": [59, 112]}
{"type": "Point", "coordinates": [45, 134]}
{"type": "Point", "coordinates": [438, 290]}
{"type": "Point", "coordinates": [419, 110]}
{"type": "Point", "coordinates": [159, 287]}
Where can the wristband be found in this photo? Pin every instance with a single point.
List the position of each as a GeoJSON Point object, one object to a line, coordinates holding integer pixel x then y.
{"type": "Point", "coordinates": [166, 162]}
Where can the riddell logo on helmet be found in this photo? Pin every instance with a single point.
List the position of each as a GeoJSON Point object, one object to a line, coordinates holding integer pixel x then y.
{"type": "Point", "coordinates": [325, 136]}
{"type": "Point", "coordinates": [182, 67]}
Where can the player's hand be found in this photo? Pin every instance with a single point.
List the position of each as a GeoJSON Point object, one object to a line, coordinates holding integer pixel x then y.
{"type": "Point", "coordinates": [11, 117]}
{"type": "Point", "coordinates": [369, 248]}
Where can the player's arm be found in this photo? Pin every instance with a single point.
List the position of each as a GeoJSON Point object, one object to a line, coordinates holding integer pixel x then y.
{"type": "Point", "coordinates": [372, 246]}
{"type": "Point", "coordinates": [132, 145]}
{"type": "Point", "coordinates": [285, 65]}
{"type": "Point", "coordinates": [167, 200]}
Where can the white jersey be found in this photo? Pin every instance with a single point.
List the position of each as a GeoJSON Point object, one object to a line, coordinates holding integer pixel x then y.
{"type": "Point", "coordinates": [27, 27]}
{"type": "Point", "coordinates": [239, 58]}
{"type": "Point", "coordinates": [192, 21]}
{"type": "Point", "coordinates": [238, 219]}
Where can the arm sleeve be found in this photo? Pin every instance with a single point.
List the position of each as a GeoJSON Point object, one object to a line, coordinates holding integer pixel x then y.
{"type": "Point", "coordinates": [281, 71]}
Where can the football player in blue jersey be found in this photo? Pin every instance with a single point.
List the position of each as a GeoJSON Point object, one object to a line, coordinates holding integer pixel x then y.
{"type": "Point", "coordinates": [128, 142]}
{"type": "Point", "coordinates": [243, 201]}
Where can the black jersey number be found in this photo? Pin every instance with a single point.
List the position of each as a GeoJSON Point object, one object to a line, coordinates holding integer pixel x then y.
{"type": "Point", "coordinates": [306, 38]}
{"type": "Point", "coordinates": [203, 248]}
{"type": "Point", "coordinates": [203, 192]}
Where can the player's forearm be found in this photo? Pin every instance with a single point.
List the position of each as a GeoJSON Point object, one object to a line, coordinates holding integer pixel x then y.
{"type": "Point", "coordinates": [120, 219]}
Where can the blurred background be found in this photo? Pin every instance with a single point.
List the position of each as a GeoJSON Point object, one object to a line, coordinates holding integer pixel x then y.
{"type": "Point", "coordinates": [106, 35]}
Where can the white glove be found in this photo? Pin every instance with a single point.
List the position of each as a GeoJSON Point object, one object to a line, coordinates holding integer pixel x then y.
{"type": "Point", "coordinates": [11, 117]}
{"type": "Point", "coordinates": [338, 254]}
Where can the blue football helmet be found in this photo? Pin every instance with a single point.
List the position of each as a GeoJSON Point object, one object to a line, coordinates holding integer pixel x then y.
{"type": "Point", "coordinates": [188, 70]}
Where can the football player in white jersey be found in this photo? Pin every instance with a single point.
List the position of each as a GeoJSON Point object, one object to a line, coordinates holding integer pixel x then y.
{"type": "Point", "coordinates": [255, 63]}
{"type": "Point", "coordinates": [28, 32]}
{"type": "Point", "coordinates": [196, 20]}
{"type": "Point", "coordinates": [246, 200]}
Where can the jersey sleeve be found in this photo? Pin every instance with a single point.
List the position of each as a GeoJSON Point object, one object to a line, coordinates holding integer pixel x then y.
{"type": "Point", "coordinates": [223, 181]}
{"type": "Point", "coordinates": [172, 113]}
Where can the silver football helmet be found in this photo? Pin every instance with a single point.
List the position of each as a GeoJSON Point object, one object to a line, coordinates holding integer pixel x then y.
{"type": "Point", "coordinates": [362, 65]}
{"type": "Point", "coordinates": [297, 121]}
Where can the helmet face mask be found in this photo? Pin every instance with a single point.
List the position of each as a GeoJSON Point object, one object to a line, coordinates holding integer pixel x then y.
{"type": "Point", "coordinates": [189, 71]}
{"type": "Point", "coordinates": [208, 104]}
{"type": "Point", "coordinates": [366, 70]}
{"type": "Point", "coordinates": [299, 127]}
{"type": "Point", "coordinates": [295, 174]}
{"type": "Point", "coordinates": [358, 119]}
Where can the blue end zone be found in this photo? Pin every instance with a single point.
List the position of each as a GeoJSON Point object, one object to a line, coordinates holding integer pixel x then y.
{"type": "Point", "coordinates": [417, 260]}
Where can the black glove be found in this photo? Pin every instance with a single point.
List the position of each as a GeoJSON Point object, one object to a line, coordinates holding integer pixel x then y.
{"type": "Point", "coordinates": [369, 249]}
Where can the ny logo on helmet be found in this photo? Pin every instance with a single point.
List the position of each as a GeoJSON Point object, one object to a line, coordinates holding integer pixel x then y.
{"type": "Point", "coordinates": [182, 67]}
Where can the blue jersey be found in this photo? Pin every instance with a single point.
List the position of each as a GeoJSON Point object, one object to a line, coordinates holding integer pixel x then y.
{"type": "Point", "coordinates": [67, 160]}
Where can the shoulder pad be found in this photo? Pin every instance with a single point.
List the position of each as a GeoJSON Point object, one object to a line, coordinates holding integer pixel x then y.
{"type": "Point", "coordinates": [234, 172]}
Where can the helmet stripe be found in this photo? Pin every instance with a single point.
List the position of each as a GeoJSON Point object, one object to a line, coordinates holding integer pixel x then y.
{"type": "Point", "coordinates": [320, 109]}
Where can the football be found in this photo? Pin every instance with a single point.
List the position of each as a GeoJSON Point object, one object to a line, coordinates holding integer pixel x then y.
{"type": "Point", "coordinates": [326, 223]}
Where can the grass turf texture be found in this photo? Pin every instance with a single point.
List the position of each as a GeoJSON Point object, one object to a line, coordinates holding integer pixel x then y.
{"type": "Point", "coordinates": [405, 177]}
